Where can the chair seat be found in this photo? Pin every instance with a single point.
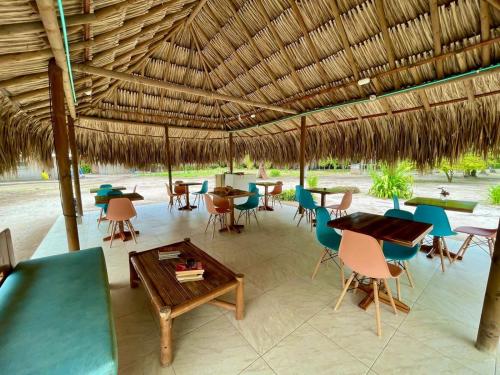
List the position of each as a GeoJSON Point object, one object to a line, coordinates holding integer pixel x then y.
{"type": "Point", "coordinates": [331, 242]}
{"type": "Point", "coordinates": [394, 269]}
{"type": "Point", "coordinates": [244, 206]}
{"type": "Point", "coordinates": [222, 210]}
{"type": "Point", "coordinates": [482, 232]}
{"type": "Point", "coordinates": [398, 252]}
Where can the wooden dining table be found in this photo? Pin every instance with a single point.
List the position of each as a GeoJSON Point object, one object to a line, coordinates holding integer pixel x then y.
{"type": "Point", "coordinates": [266, 186]}
{"type": "Point", "coordinates": [399, 231]}
{"type": "Point", "coordinates": [323, 192]}
{"type": "Point", "coordinates": [95, 190]}
{"type": "Point", "coordinates": [230, 196]}
{"type": "Point", "coordinates": [188, 206]}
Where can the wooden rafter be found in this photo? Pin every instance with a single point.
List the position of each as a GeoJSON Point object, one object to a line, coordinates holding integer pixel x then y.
{"type": "Point", "coordinates": [436, 35]}
{"type": "Point", "coordinates": [468, 84]}
{"type": "Point", "coordinates": [484, 11]}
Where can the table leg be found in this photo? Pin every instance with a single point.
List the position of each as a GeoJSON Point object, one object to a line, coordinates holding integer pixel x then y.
{"type": "Point", "coordinates": [232, 227]}
{"type": "Point", "coordinates": [240, 301]}
{"type": "Point", "coordinates": [188, 206]}
{"type": "Point", "coordinates": [266, 206]}
{"type": "Point", "coordinates": [134, 277]}
{"type": "Point", "coordinates": [383, 297]}
{"type": "Point", "coordinates": [165, 337]}
{"type": "Point", "coordinates": [123, 234]}
{"type": "Point", "coordinates": [433, 250]}
{"type": "Point", "coordinates": [323, 200]}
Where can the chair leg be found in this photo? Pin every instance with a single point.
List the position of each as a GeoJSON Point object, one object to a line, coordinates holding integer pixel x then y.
{"type": "Point", "coordinates": [209, 220]}
{"type": "Point", "coordinates": [300, 218]}
{"type": "Point", "coordinates": [113, 230]}
{"type": "Point", "coordinates": [445, 246]}
{"type": "Point", "coordinates": [100, 219]}
{"type": "Point", "coordinates": [491, 246]}
{"type": "Point", "coordinates": [463, 248]}
{"type": "Point", "coordinates": [377, 307]}
{"type": "Point", "coordinates": [344, 291]}
{"type": "Point", "coordinates": [255, 214]}
{"type": "Point", "coordinates": [408, 274]}
{"type": "Point", "coordinates": [325, 252]}
{"type": "Point", "coordinates": [398, 288]}
{"type": "Point", "coordinates": [389, 293]}
{"type": "Point", "coordinates": [296, 212]}
{"type": "Point", "coordinates": [131, 229]}
{"type": "Point", "coordinates": [342, 276]}
{"type": "Point", "coordinates": [441, 256]}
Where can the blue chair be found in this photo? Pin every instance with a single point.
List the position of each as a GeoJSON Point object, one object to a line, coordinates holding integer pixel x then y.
{"type": "Point", "coordinates": [328, 238]}
{"type": "Point", "coordinates": [437, 217]}
{"type": "Point", "coordinates": [397, 253]}
{"type": "Point", "coordinates": [309, 207]}
{"type": "Point", "coordinates": [298, 188]}
{"type": "Point", "coordinates": [395, 201]}
{"type": "Point", "coordinates": [103, 206]}
{"type": "Point", "coordinates": [249, 207]}
{"type": "Point", "coordinates": [105, 186]}
{"type": "Point", "coordinates": [202, 191]}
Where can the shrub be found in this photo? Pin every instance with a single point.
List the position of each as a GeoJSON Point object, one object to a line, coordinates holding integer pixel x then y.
{"type": "Point", "coordinates": [274, 173]}
{"type": "Point", "coordinates": [447, 168]}
{"type": "Point", "coordinates": [248, 162]}
{"type": "Point", "coordinates": [312, 181]}
{"type": "Point", "coordinates": [471, 164]}
{"type": "Point", "coordinates": [288, 195]}
{"type": "Point", "coordinates": [392, 180]}
{"type": "Point", "coordinates": [494, 194]}
{"type": "Point", "coordinates": [85, 168]}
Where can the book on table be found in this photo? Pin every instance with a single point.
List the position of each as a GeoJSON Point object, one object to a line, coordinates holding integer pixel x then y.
{"type": "Point", "coordinates": [164, 254]}
{"type": "Point", "coordinates": [185, 272]}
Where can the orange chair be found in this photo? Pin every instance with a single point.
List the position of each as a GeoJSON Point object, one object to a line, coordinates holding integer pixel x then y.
{"type": "Point", "coordinates": [364, 256]}
{"type": "Point", "coordinates": [221, 202]}
{"type": "Point", "coordinates": [173, 198]}
{"type": "Point", "coordinates": [120, 211]}
{"type": "Point", "coordinates": [275, 194]}
{"type": "Point", "coordinates": [345, 203]}
{"type": "Point", "coordinates": [216, 213]}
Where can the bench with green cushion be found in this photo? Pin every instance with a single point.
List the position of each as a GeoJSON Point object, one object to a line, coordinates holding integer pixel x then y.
{"type": "Point", "coordinates": [55, 317]}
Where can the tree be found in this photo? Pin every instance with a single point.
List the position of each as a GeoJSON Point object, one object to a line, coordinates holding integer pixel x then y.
{"type": "Point", "coordinates": [447, 168]}
{"type": "Point", "coordinates": [471, 163]}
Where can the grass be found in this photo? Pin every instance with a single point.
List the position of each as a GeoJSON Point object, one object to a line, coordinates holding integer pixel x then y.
{"type": "Point", "coordinates": [494, 194]}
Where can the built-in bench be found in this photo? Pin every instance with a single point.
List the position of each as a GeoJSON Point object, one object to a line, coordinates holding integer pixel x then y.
{"type": "Point", "coordinates": [55, 314]}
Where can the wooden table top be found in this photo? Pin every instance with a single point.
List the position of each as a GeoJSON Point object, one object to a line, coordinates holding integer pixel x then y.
{"type": "Point", "coordinates": [95, 190]}
{"type": "Point", "coordinates": [188, 183]}
{"type": "Point", "coordinates": [448, 204]}
{"type": "Point", "coordinates": [323, 190]}
{"type": "Point", "coordinates": [235, 193]}
{"type": "Point", "coordinates": [266, 183]}
{"type": "Point", "coordinates": [402, 232]}
{"type": "Point", "coordinates": [106, 199]}
{"type": "Point", "coordinates": [160, 274]}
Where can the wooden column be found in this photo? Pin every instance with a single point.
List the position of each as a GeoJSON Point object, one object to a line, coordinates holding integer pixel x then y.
{"type": "Point", "coordinates": [61, 147]}
{"type": "Point", "coordinates": [489, 327]}
{"type": "Point", "coordinates": [169, 160]}
{"type": "Point", "coordinates": [74, 165]}
{"type": "Point", "coordinates": [302, 150]}
{"type": "Point", "coordinates": [231, 152]}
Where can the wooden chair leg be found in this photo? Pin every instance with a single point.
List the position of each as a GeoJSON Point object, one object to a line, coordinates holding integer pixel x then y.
{"type": "Point", "coordinates": [342, 276]}
{"type": "Point", "coordinates": [441, 256]}
{"type": "Point", "coordinates": [344, 291]}
{"type": "Point", "coordinates": [445, 246]}
{"type": "Point", "coordinates": [132, 230]}
{"type": "Point", "coordinates": [398, 288]}
{"type": "Point", "coordinates": [377, 307]}
{"type": "Point", "coordinates": [300, 219]}
{"type": "Point", "coordinates": [113, 230]}
{"type": "Point", "coordinates": [408, 274]}
{"type": "Point", "coordinates": [255, 214]}
{"type": "Point", "coordinates": [389, 293]}
{"type": "Point", "coordinates": [100, 219]}
{"type": "Point", "coordinates": [325, 252]}
{"type": "Point", "coordinates": [491, 246]}
{"type": "Point", "coordinates": [209, 220]}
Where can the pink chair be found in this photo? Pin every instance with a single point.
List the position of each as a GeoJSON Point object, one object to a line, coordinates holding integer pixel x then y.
{"type": "Point", "coordinates": [216, 213]}
{"type": "Point", "coordinates": [120, 211]}
{"type": "Point", "coordinates": [275, 194]}
{"type": "Point", "coordinates": [173, 198]}
{"type": "Point", "coordinates": [180, 190]}
{"type": "Point", "coordinates": [344, 205]}
{"type": "Point", "coordinates": [364, 256]}
{"type": "Point", "coordinates": [478, 237]}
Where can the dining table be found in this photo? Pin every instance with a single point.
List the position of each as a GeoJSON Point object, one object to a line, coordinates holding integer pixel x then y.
{"type": "Point", "coordinates": [230, 196]}
{"type": "Point", "coordinates": [447, 205]}
{"type": "Point", "coordinates": [399, 231]}
{"type": "Point", "coordinates": [323, 192]}
{"type": "Point", "coordinates": [266, 186]}
{"type": "Point", "coordinates": [97, 189]}
{"type": "Point", "coordinates": [188, 206]}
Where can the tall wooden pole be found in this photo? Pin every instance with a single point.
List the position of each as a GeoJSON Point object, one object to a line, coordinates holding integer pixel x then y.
{"type": "Point", "coordinates": [61, 147]}
{"type": "Point", "coordinates": [231, 152]}
{"type": "Point", "coordinates": [169, 160]}
{"type": "Point", "coordinates": [302, 150]}
{"type": "Point", "coordinates": [489, 327]}
{"type": "Point", "coordinates": [74, 165]}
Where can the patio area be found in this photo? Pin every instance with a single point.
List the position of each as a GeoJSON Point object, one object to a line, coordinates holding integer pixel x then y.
{"type": "Point", "coordinates": [290, 326]}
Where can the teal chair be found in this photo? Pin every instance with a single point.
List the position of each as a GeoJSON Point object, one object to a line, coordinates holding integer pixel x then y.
{"type": "Point", "coordinates": [298, 188]}
{"type": "Point", "coordinates": [249, 207]}
{"type": "Point", "coordinates": [109, 193]}
{"type": "Point", "coordinates": [328, 238]}
{"type": "Point", "coordinates": [437, 217]}
{"type": "Point", "coordinates": [309, 207]}
{"type": "Point", "coordinates": [395, 201]}
{"type": "Point", "coordinates": [105, 186]}
{"type": "Point", "coordinates": [397, 253]}
{"type": "Point", "coordinates": [103, 206]}
{"type": "Point", "coordinates": [202, 191]}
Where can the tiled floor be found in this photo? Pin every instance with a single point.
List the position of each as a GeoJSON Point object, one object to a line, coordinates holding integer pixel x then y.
{"type": "Point", "coordinates": [290, 326]}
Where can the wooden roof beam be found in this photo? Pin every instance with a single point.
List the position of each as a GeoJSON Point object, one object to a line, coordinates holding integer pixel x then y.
{"type": "Point", "coordinates": [436, 36]}
{"type": "Point", "coordinates": [495, 4]}
{"type": "Point", "coordinates": [468, 84]}
{"type": "Point", "coordinates": [485, 16]}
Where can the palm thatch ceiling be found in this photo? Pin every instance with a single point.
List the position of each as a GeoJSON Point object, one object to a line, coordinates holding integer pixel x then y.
{"type": "Point", "coordinates": [248, 66]}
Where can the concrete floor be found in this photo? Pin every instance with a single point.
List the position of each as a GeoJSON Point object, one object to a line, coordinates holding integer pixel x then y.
{"type": "Point", "coordinates": [290, 326]}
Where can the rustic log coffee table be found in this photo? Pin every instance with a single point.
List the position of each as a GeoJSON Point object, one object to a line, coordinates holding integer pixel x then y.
{"type": "Point", "coordinates": [171, 298]}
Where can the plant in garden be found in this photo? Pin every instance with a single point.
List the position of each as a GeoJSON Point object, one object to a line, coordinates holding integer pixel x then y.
{"type": "Point", "coordinates": [274, 173]}
{"type": "Point", "coordinates": [312, 181]}
{"type": "Point", "coordinates": [288, 195]}
{"type": "Point", "coordinates": [471, 164]}
{"type": "Point", "coordinates": [392, 180]}
{"type": "Point", "coordinates": [494, 194]}
{"type": "Point", "coordinates": [447, 168]}
{"type": "Point", "coordinates": [85, 168]}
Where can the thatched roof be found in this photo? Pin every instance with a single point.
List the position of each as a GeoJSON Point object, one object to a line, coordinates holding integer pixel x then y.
{"type": "Point", "coordinates": [266, 60]}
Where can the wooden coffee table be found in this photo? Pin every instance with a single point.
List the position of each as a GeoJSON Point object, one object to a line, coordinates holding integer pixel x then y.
{"type": "Point", "coordinates": [171, 299]}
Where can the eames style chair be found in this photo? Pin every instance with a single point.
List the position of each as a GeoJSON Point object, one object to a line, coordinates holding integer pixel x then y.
{"type": "Point", "coordinates": [102, 192]}
{"type": "Point", "coordinates": [173, 198]}
{"type": "Point", "coordinates": [105, 186]}
{"type": "Point", "coordinates": [275, 194]}
{"type": "Point", "coordinates": [121, 210]}
{"type": "Point", "coordinates": [202, 191]}
{"type": "Point", "coordinates": [479, 237]}
{"type": "Point", "coordinates": [249, 207]}
{"type": "Point", "coordinates": [104, 206]}
{"type": "Point", "coordinates": [330, 240]}
{"type": "Point", "coordinates": [341, 208]}
{"type": "Point", "coordinates": [298, 189]}
{"type": "Point", "coordinates": [399, 254]}
{"type": "Point", "coordinates": [217, 214]}
{"type": "Point", "coordinates": [364, 256]}
{"type": "Point", "coordinates": [309, 207]}
{"type": "Point", "coordinates": [441, 227]}
{"type": "Point", "coordinates": [221, 202]}
{"type": "Point", "coordinates": [395, 201]}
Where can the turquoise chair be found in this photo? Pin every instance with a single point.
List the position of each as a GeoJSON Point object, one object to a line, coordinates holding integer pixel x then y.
{"type": "Point", "coordinates": [202, 191]}
{"type": "Point", "coordinates": [395, 201]}
{"type": "Point", "coordinates": [397, 253]}
{"type": "Point", "coordinates": [105, 186]}
{"type": "Point", "coordinates": [249, 207]}
{"type": "Point", "coordinates": [309, 207]}
{"type": "Point", "coordinates": [328, 238]}
{"type": "Point", "coordinates": [103, 206]}
{"type": "Point", "coordinates": [437, 217]}
{"type": "Point", "coordinates": [298, 188]}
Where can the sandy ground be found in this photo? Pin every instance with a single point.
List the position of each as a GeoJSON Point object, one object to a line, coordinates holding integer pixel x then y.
{"type": "Point", "coordinates": [30, 208]}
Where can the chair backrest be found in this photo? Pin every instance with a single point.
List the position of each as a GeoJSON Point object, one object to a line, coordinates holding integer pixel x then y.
{"type": "Point", "coordinates": [179, 189]}
{"type": "Point", "coordinates": [120, 209]}
{"type": "Point", "coordinates": [251, 186]}
{"type": "Point", "coordinates": [395, 201]}
{"type": "Point", "coordinates": [298, 189]}
{"type": "Point", "coordinates": [104, 186]}
{"type": "Point", "coordinates": [400, 214]}
{"type": "Point", "coordinates": [437, 217]}
{"type": "Point", "coordinates": [209, 203]}
{"type": "Point", "coordinates": [220, 202]}
{"type": "Point", "coordinates": [253, 200]}
{"type": "Point", "coordinates": [324, 233]}
{"type": "Point", "coordinates": [306, 200]}
{"type": "Point", "coordinates": [346, 201]}
{"type": "Point", "coordinates": [204, 187]}
{"type": "Point", "coordinates": [103, 192]}
{"type": "Point", "coordinates": [278, 188]}
{"type": "Point", "coordinates": [362, 254]}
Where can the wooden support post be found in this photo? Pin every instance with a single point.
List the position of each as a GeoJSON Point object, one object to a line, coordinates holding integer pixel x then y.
{"type": "Point", "coordinates": [302, 154]}
{"type": "Point", "coordinates": [61, 147]}
{"type": "Point", "coordinates": [231, 152]}
{"type": "Point", "coordinates": [169, 160]}
{"type": "Point", "coordinates": [74, 165]}
{"type": "Point", "coordinates": [489, 327]}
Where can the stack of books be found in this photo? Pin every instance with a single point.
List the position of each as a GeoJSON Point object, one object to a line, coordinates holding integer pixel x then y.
{"type": "Point", "coordinates": [168, 253]}
{"type": "Point", "coordinates": [184, 273]}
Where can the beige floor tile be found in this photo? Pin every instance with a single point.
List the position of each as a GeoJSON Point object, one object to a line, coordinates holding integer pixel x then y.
{"type": "Point", "coordinates": [125, 300]}
{"type": "Point", "coordinates": [306, 351]}
{"type": "Point", "coordinates": [259, 367]}
{"type": "Point", "coordinates": [194, 319]}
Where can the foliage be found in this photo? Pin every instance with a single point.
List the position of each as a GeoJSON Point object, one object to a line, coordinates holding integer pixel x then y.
{"type": "Point", "coordinates": [470, 164]}
{"type": "Point", "coordinates": [45, 176]}
{"type": "Point", "coordinates": [274, 173]}
{"type": "Point", "coordinates": [447, 168]}
{"type": "Point", "coordinates": [329, 163]}
{"type": "Point", "coordinates": [85, 168]}
{"type": "Point", "coordinates": [494, 194]}
{"type": "Point", "coordinates": [392, 180]}
{"type": "Point", "coordinates": [312, 181]}
{"type": "Point", "coordinates": [288, 195]}
{"type": "Point", "coordinates": [249, 164]}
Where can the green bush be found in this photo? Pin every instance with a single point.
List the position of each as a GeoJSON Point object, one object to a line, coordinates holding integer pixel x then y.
{"type": "Point", "coordinates": [288, 195]}
{"type": "Point", "coordinates": [471, 164]}
{"type": "Point", "coordinates": [447, 168]}
{"type": "Point", "coordinates": [274, 173]}
{"type": "Point", "coordinates": [494, 194]}
{"type": "Point", "coordinates": [249, 164]}
{"type": "Point", "coordinates": [392, 180]}
{"type": "Point", "coordinates": [85, 168]}
{"type": "Point", "coordinates": [312, 182]}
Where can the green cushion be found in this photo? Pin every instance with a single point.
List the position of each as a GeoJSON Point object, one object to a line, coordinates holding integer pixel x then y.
{"type": "Point", "coordinates": [55, 317]}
